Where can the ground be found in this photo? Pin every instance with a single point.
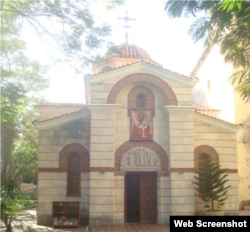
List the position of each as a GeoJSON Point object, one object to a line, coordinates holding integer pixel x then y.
{"type": "Point", "coordinates": [27, 223]}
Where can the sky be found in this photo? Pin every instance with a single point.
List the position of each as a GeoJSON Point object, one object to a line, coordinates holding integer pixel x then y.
{"type": "Point", "coordinates": [165, 40]}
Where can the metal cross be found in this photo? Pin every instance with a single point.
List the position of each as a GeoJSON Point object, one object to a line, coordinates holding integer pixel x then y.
{"type": "Point", "coordinates": [126, 19]}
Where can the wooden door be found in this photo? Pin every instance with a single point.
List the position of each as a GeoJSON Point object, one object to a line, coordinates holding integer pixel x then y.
{"type": "Point", "coordinates": [133, 197]}
{"type": "Point", "coordinates": [148, 198]}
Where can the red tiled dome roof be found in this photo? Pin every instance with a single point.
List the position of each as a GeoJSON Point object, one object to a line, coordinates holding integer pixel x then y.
{"type": "Point", "coordinates": [129, 51]}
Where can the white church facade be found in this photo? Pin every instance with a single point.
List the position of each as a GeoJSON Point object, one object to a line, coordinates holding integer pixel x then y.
{"type": "Point", "coordinates": [130, 153]}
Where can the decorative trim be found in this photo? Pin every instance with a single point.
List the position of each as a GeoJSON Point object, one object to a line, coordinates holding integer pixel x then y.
{"type": "Point", "coordinates": [168, 109]}
{"type": "Point", "coordinates": [181, 170]}
{"type": "Point", "coordinates": [142, 77]}
{"type": "Point", "coordinates": [57, 170]}
{"type": "Point", "coordinates": [147, 144]}
{"type": "Point", "coordinates": [122, 173]}
{"type": "Point", "coordinates": [140, 159]}
{"type": "Point", "coordinates": [231, 171]}
{"type": "Point", "coordinates": [99, 169]}
{"type": "Point", "coordinates": [226, 171]}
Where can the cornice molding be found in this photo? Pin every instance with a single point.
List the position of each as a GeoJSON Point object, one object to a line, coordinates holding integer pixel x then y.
{"type": "Point", "coordinates": [103, 107]}
{"type": "Point", "coordinates": [167, 109]}
{"type": "Point", "coordinates": [143, 67]}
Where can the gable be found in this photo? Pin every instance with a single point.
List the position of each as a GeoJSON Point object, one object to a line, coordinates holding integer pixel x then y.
{"type": "Point", "coordinates": [105, 87]}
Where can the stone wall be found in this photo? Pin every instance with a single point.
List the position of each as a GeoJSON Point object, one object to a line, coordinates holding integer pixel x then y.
{"type": "Point", "coordinates": [100, 91]}
{"type": "Point", "coordinates": [225, 143]}
{"type": "Point", "coordinates": [181, 160]}
{"type": "Point", "coordinates": [101, 166]}
{"type": "Point", "coordinates": [52, 182]}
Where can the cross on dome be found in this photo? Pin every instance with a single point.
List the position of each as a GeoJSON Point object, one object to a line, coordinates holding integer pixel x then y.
{"type": "Point", "coordinates": [126, 19]}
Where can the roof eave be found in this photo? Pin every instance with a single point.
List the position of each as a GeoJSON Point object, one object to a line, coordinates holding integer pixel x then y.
{"type": "Point", "coordinates": [53, 122]}
{"type": "Point", "coordinates": [145, 68]}
{"type": "Point", "coordinates": [216, 122]}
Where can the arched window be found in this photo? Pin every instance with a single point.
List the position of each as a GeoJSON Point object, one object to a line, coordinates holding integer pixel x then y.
{"type": "Point", "coordinates": [141, 97]}
{"type": "Point", "coordinates": [140, 100]}
{"type": "Point", "coordinates": [74, 175]}
{"type": "Point", "coordinates": [105, 69]}
{"type": "Point", "coordinates": [203, 159]}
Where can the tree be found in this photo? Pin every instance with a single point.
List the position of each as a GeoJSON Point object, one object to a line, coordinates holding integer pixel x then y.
{"type": "Point", "coordinates": [18, 146]}
{"type": "Point", "coordinates": [211, 185]}
{"type": "Point", "coordinates": [226, 23]}
{"type": "Point", "coordinates": [73, 31]}
{"type": "Point", "coordinates": [69, 28]}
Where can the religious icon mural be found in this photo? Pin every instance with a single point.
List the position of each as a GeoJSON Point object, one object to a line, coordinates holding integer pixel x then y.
{"type": "Point", "coordinates": [140, 159]}
{"type": "Point", "coordinates": [141, 125]}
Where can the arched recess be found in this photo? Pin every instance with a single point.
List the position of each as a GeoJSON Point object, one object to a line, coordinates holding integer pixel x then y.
{"type": "Point", "coordinates": [141, 90]}
{"type": "Point", "coordinates": [205, 149]}
{"type": "Point", "coordinates": [105, 69]}
{"type": "Point", "coordinates": [151, 145]}
{"type": "Point", "coordinates": [142, 77]}
{"type": "Point", "coordinates": [74, 147]}
{"type": "Point", "coordinates": [144, 91]}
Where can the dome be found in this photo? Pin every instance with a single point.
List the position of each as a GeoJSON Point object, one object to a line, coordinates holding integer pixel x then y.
{"type": "Point", "coordinates": [129, 51]}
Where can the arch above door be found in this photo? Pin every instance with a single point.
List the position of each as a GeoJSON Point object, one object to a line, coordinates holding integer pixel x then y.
{"type": "Point", "coordinates": [155, 157]}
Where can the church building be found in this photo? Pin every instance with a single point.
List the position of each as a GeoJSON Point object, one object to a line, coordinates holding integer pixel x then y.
{"type": "Point", "coordinates": [129, 154]}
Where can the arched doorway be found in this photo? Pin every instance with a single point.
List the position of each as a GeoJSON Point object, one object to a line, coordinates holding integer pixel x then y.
{"type": "Point", "coordinates": [142, 163]}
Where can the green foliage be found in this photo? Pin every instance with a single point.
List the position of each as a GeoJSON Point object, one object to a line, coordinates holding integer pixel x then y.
{"type": "Point", "coordinates": [229, 5]}
{"type": "Point", "coordinates": [69, 28]}
{"type": "Point", "coordinates": [19, 148]}
{"type": "Point", "coordinates": [65, 26]}
{"type": "Point", "coordinates": [11, 204]}
{"type": "Point", "coordinates": [226, 23]}
{"type": "Point", "coordinates": [211, 186]}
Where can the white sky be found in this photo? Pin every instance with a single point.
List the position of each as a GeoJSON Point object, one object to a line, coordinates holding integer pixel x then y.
{"type": "Point", "coordinates": [166, 41]}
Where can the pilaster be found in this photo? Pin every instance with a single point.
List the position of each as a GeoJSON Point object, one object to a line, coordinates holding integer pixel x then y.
{"type": "Point", "coordinates": [181, 159]}
{"type": "Point", "coordinates": [102, 145]}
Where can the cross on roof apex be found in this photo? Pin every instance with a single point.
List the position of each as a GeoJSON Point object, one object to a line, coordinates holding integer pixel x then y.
{"type": "Point", "coordinates": [126, 19]}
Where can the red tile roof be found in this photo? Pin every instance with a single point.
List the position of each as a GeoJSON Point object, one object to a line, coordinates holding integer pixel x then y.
{"type": "Point", "coordinates": [59, 116]}
{"type": "Point", "coordinates": [205, 108]}
{"type": "Point", "coordinates": [129, 51]}
{"type": "Point", "coordinates": [218, 119]}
